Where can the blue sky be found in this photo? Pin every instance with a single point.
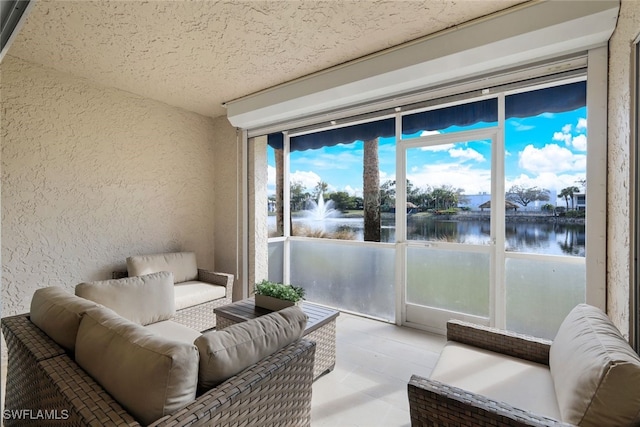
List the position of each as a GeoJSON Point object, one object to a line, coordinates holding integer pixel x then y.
{"type": "Point", "coordinates": [547, 151]}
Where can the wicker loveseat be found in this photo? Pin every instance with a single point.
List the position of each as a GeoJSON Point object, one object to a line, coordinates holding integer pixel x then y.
{"type": "Point", "coordinates": [76, 362]}
{"type": "Point", "coordinates": [197, 291]}
{"type": "Point", "coordinates": [588, 376]}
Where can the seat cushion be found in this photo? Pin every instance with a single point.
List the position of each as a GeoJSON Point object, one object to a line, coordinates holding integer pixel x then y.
{"type": "Point", "coordinates": [147, 374]}
{"type": "Point", "coordinates": [520, 383]}
{"type": "Point", "coordinates": [595, 372]}
{"type": "Point", "coordinates": [57, 313]}
{"type": "Point", "coordinates": [174, 331]}
{"type": "Point", "coordinates": [181, 264]}
{"type": "Point", "coordinates": [142, 299]}
{"type": "Point", "coordinates": [188, 294]}
{"type": "Point", "coordinates": [227, 352]}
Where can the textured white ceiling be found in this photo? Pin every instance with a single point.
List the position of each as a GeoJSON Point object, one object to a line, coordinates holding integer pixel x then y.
{"type": "Point", "coordinates": [198, 54]}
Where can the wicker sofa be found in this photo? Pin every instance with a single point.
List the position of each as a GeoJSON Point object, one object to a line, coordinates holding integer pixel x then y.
{"type": "Point", "coordinates": [588, 376]}
{"type": "Point", "coordinates": [76, 362]}
{"type": "Point", "coordinates": [197, 291]}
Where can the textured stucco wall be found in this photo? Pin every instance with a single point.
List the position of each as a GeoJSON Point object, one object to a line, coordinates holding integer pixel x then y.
{"type": "Point", "coordinates": [228, 202]}
{"type": "Point", "coordinates": [258, 230]}
{"type": "Point", "coordinates": [91, 175]}
{"type": "Point", "coordinates": [619, 124]}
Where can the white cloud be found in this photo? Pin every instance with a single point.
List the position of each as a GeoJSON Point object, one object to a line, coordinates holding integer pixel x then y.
{"type": "Point", "coordinates": [519, 127]}
{"type": "Point", "coordinates": [457, 175]}
{"type": "Point", "coordinates": [357, 192]}
{"type": "Point", "coordinates": [384, 176]}
{"type": "Point", "coordinates": [327, 161]}
{"type": "Point", "coordinates": [561, 136]}
{"type": "Point", "coordinates": [580, 142]}
{"type": "Point", "coordinates": [435, 148]}
{"type": "Point", "coordinates": [551, 158]}
{"type": "Point", "coordinates": [430, 132]}
{"type": "Point", "coordinates": [582, 124]}
{"type": "Point", "coordinates": [551, 181]}
{"type": "Point", "coordinates": [466, 154]}
{"type": "Point", "coordinates": [308, 179]}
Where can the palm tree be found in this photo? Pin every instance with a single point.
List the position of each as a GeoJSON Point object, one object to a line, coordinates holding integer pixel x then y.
{"type": "Point", "coordinates": [279, 155]}
{"type": "Point", "coordinates": [320, 188]}
{"type": "Point", "coordinates": [371, 191]}
{"type": "Point", "coordinates": [572, 191]}
{"type": "Point", "coordinates": [568, 193]}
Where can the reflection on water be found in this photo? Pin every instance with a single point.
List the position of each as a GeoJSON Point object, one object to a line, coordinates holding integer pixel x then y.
{"type": "Point", "coordinates": [532, 237]}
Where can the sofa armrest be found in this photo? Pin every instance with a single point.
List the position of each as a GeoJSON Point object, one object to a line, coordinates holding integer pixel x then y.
{"type": "Point", "coordinates": [41, 375]}
{"type": "Point", "coordinates": [274, 391]}
{"type": "Point", "coordinates": [26, 340]}
{"type": "Point", "coordinates": [432, 403]}
{"type": "Point", "coordinates": [501, 341]}
{"type": "Point", "coordinates": [217, 278]}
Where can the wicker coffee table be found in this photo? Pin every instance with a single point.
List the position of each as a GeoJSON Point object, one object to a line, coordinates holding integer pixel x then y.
{"type": "Point", "coordinates": [321, 328]}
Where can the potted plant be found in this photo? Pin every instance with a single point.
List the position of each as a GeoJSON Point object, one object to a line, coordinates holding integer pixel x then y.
{"type": "Point", "coordinates": [276, 296]}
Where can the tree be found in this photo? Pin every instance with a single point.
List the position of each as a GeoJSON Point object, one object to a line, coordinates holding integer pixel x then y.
{"type": "Point", "coordinates": [371, 191]}
{"type": "Point", "coordinates": [568, 193]}
{"type": "Point", "coordinates": [388, 194]}
{"type": "Point", "coordinates": [445, 197]}
{"type": "Point", "coordinates": [343, 201]}
{"type": "Point", "coordinates": [525, 195]}
{"type": "Point", "coordinates": [298, 196]}
{"type": "Point", "coordinates": [279, 157]}
{"type": "Point", "coordinates": [320, 188]}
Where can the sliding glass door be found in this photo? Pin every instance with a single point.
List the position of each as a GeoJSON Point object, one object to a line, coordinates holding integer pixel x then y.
{"type": "Point", "coordinates": [448, 250]}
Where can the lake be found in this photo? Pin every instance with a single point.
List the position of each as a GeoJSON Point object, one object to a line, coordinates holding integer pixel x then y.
{"type": "Point", "coordinates": [541, 237]}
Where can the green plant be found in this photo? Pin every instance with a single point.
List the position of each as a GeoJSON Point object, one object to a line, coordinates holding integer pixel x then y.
{"type": "Point", "coordinates": [280, 291]}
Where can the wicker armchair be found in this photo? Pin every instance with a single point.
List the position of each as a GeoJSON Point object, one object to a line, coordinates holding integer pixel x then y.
{"type": "Point", "coordinates": [433, 403]}
{"type": "Point", "coordinates": [42, 377]}
{"type": "Point", "coordinates": [200, 317]}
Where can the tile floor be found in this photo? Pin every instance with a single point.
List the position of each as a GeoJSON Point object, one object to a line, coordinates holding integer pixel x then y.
{"type": "Point", "coordinates": [374, 362]}
{"type": "Point", "coordinates": [368, 386]}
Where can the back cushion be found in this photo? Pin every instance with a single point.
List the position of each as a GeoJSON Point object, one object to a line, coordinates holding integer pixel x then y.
{"type": "Point", "coordinates": [141, 299]}
{"type": "Point", "coordinates": [181, 264]}
{"type": "Point", "coordinates": [595, 372]}
{"type": "Point", "coordinates": [57, 313]}
{"type": "Point", "coordinates": [147, 374]}
{"type": "Point", "coordinates": [229, 351]}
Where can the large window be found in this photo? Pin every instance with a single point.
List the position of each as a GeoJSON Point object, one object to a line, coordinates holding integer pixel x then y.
{"type": "Point", "coordinates": [331, 174]}
{"type": "Point", "coordinates": [473, 208]}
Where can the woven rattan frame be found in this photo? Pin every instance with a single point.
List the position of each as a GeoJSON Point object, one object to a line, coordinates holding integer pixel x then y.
{"type": "Point", "coordinates": [275, 391]}
{"type": "Point", "coordinates": [433, 403]}
{"type": "Point", "coordinates": [325, 339]}
{"type": "Point", "coordinates": [501, 341]}
{"type": "Point", "coordinates": [200, 317]}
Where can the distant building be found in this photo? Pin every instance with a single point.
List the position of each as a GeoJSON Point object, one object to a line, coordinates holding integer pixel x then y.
{"type": "Point", "coordinates": [473, 202]}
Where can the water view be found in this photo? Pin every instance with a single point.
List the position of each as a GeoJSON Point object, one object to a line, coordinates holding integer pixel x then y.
{"type": "Point", "coordinates": [544, 237]}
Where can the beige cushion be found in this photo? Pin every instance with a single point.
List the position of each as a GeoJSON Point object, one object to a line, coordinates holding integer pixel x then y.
{"type": "Point", "coordinates": [181, 264]}
{"type": "Point", "coordinates": [188, 294]}
{"type": "Point", "coordinates": [141, 299]}
{"type": "Point", "coordinates": [173, 331]}
{"type": "Point", "coordinates": [229, 351]}
{"type": "Point", "coordinates": [57, 313]}
{"type": "Point", "coordinates": [148, 375]}
{"type": "Point", "coordinates": [595, 372]}
{"type": "Point", "coordinates": [520, 383]}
